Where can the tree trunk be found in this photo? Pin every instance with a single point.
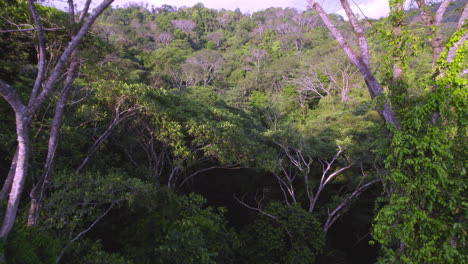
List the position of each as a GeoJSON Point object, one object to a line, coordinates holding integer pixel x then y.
{"type": "Point", "coordinates": [9, 180]}
{"type": "Point", "coordinates": [22, 130]}
{"type": "Point", "coordinates": [360, 61]}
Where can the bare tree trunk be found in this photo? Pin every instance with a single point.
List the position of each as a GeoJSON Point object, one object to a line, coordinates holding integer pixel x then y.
{"type": "Point", "coordinates": [22, 130]}
{"type": "Point", "coordinates": [9, 180]}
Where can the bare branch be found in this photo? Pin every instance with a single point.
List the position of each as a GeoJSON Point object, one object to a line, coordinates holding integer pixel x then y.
{"type": "Point", "coordinates": [336, 33]}
{"type": "Point", "coordinates": [439, 16]}
{"type": "Point", "coordinates": [463, 17]}
{"type": "Point", "coordinates": [184, 25]}
{"type": "Point", "coordinates": [86, 230]}
{"type": "Point", "coordinates": [84, 13]}
{"type": "Point", "coordinates": [41, 66]}
{"type": "Point", "coordinates": [11, 97]}
{"type": "Point", "coordinates": [227, 167]}
{"type": "Point", "coordinates": [375, 90]}
{"type": "Point", "coordinates": [37, 192]}
{"type": "Point", "coordinates": [326, 179]}
{"type": "Point", "coordinates": [341, 208]}
{"type": "Point", "coordinates": [358, 30]}
{"type": "Point", "coordinates": [434, 22]}
{"type": "Point", "coordinates": [119, 116]}
{"type": "Point", "coordinates": [254, 208]}
{"type": "Point", "coordinates": [71, 13]}
{"type": "Point", "coordinates": [29, 29]}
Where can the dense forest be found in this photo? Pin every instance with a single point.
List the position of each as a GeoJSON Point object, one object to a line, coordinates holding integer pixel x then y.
{"type": "Point", "coordinates": [145, 134]}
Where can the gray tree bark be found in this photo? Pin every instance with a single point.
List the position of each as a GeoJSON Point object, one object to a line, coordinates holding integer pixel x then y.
{"type": "Point", "coordinates": [9, 180]}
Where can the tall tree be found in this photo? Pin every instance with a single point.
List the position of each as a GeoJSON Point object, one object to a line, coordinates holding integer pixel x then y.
{"type": "Point", "coordinates": [45, 83]}
{"type": "Point", "coordinates": [360, 58]}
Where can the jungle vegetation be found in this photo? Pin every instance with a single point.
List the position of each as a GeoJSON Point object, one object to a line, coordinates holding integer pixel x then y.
{"type": "Point", "coordinates": [145, 134]}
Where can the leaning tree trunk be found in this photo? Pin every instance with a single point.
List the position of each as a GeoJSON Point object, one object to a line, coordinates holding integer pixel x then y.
{"type": "Point", "coordinates": [360, 59]}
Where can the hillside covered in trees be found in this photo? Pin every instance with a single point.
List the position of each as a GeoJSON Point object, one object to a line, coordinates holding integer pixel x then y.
{"type": "Point", "coordinates": [146, 134]}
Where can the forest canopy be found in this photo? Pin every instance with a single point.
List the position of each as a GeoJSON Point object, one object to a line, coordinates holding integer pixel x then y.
{"type": "Point", "coordinates": [145, 134]}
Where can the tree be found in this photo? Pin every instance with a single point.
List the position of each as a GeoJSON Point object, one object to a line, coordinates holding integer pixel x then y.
{"type": "Point", "coordinates": [433, 23]}
{"type": "Point", "coordinates": [258, 57]}
{"type": "Point", "coordinates": [45, 83]}
{"type": "Point", "coordinates": [288, 235]}
{"type": "Point", "coordinates": [208, 61]}
{"type": "Point", "coordinates": [165, 38]}
{"type": "Point", "coordinates": [184, 25]}
{"type": "Point", "coordinates": [360, 59]}
{"type": "Point", "coordinates": [217, 37]}
{"type": "Point", "coordinates": [422, 222]}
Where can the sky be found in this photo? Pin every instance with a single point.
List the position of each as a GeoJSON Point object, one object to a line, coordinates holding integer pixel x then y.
{"type": "Point", "coordinates": [370, 8]}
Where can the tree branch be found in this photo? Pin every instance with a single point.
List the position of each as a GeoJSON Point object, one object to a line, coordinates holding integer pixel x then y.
{"type": "Point", "coordinates": [254, 208]}
{"type": "Point", "coordinates": [10, 95]}
{"type": "Point", "coordinates": [358, 30]}
{"type": "Point", "coordinates": [84, 12]}
{"type": "Point", "coordinates": [463, 16]}
{"type": "Point", "coordinates": [333, 216]}
{"type": "Point", "coordinates": [29, 29]}
{"type": "Point", "coordinates": [434, 22]}
{"type": "Point", "coordinates": [86, 230]}
{"type": "Point", "coordinates": [57, 71]}
{"type": "Point", "coordinates": [439, 16]}
{"type": "Point", "coordinates": [228, 167]}
{"type": "Point", "coordinates": [41, 66]}
{"type": "Point", "coordinates": [9, 180]}
{"type": "Point", "coordinates": [335, 32]}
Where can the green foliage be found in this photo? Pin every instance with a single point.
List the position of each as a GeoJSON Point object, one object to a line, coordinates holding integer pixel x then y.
{"type": "Point", "coordinates": [216, 130]}
{"type": "Point", "coordinates": [199, 236]}
{"type": "Point", "coordinates": [180, 229]}
{"type": "Point", "coordinates": [292, 236]}
{"type": "Point", "coordinates": [31, 245]}
{"type": "Point", "coordinates": [423, 221]}
{"type": "Point", "coordinates": [91, 252]}
{"type": "Point", "coordinates": [76, 200]}
{"type": "Point", "coordinates": [172, 128]}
